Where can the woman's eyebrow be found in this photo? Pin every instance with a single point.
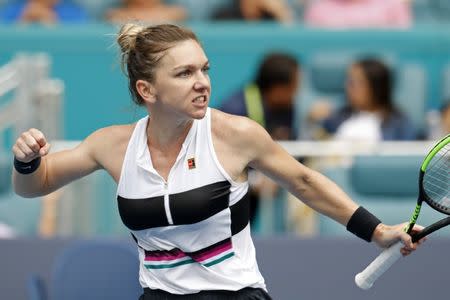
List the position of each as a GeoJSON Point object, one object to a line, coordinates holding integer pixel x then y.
{"type": "Point", "coordinates": [189, 66]}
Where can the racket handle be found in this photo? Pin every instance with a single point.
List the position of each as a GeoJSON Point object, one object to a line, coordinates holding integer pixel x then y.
{"type": "Point", "coordinates": [381, 264]}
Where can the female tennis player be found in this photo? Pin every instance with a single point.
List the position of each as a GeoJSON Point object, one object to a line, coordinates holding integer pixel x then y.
{"type": "Point", "coordinates": [182, 174]}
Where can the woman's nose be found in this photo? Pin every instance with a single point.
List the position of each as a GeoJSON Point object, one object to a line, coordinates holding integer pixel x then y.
{"type": "Point", "coordinates": [202, 82]}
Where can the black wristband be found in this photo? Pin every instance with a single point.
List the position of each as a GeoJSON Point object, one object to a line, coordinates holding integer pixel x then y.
{"type": "Point", "coordinates": [27, 168]}
{"type": "Point", "coordinates": [362, 224]}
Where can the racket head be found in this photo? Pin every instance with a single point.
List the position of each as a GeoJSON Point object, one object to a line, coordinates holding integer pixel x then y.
{"type": "Point", "coordinates": [434, 179]}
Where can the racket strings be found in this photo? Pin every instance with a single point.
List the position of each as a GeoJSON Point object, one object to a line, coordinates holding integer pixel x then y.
{"type": "Point", "coordinates": [436, 181]}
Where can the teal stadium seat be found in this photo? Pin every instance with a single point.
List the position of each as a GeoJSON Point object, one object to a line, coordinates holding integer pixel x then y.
{"type": "Point", "coordinates": [422, 11]}
{"type": "Point", "coordinates": [440, 10]}
{"type": "Point", "coordinates": [378, 176]}
{"type": "Point", "coordinates": [387, 186]}
{"type": "Point", "coordinates": [410, 93]}
{"type": "Point", "coordinates": [431, 11]}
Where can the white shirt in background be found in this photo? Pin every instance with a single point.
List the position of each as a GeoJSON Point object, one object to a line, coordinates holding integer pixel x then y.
{"type": "Point", "coordinates": [362, 126]}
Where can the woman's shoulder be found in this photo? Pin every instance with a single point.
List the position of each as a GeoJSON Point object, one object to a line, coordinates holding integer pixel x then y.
{"type": "Point", "coordinates": [111, 135]}
{"type": "Point", "coordinates": [237, 132]}
{"type": "Point", "coordinates": [229, 125]}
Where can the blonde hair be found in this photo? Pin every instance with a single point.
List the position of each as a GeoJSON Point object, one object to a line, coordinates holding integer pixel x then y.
{"type": "Point", "coordinates": [143, 47]}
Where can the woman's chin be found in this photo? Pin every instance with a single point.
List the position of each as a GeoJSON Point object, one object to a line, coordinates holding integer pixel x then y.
{"type": "Point", "coordinates": [199, 113]}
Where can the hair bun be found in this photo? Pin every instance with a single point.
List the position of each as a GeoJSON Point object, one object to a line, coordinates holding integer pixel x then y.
{"type": "Point", "coordinates": [127, 36]}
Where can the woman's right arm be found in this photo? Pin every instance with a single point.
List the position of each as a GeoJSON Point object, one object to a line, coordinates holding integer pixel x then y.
{"type": "Point", "coordinates": [56, 169]}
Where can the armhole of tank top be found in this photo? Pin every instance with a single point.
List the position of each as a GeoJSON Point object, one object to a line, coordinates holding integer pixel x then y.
{"type": "Point", "coordinates": [132, 137]}
{"type": "Point", "coordinates": [213, 153]}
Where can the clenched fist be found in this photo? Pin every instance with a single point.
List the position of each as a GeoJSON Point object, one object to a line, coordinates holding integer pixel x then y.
{"type": "Point", "coordinates": [30, 145]}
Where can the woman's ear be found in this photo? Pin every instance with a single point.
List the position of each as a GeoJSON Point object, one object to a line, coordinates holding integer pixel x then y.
{"type": "Point", "coordinates": [146, 90]}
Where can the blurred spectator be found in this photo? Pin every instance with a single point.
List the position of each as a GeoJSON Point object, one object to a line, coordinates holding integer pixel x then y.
{"type": "Point", "coordinates": [147, 11]}
{"type": "Point", "coordinates": [370, 114]}
{"type": "Point", "coordinates": [6, 231]}
{"type": "Point", "coordinates": [445, 118]}
{"type": "Point", "coordinates": [254, 10]}
{"type": "Point", "coordinates": [43, 11]}
{"type": "Point", "coordinates": [438, 122]}
{"type": "Point", "coordinates": [358, 13]}
{"type": "Point", "coordinates": [269, 101]}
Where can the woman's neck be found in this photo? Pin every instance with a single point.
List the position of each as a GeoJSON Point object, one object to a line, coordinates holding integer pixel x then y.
{"type": "Point", "coordinates": [164, 132]}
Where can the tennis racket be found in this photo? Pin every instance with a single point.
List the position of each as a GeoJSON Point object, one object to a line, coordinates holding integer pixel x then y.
{"type": "Point", "coordinates": [434, 187]}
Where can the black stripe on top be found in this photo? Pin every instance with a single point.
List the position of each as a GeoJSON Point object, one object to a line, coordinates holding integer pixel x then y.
{"type": "Point", "coordinates": [187, 207]}
{"type": "Point", "coordinates": [240, 214]}
{"type": "Point", "coordinates": [159, 253]}
{"type": "Point", "coordinates": [199, 204]}
{"type": "Point", "coordinates": [138, 214]}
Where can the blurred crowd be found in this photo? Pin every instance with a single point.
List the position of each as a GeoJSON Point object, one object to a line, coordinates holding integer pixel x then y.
{"type": "Point", "coordinates": [368, 112]}
{"type": "Point", "coordinates": [317, 13]}
{"type": "Point", "coordinates": [368, 89]}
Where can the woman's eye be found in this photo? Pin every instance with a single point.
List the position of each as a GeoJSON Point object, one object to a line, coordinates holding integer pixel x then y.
{"type": "Point", "coordinates": [206, 70]}
{"type": "Point", "coordinates": [184, 73]}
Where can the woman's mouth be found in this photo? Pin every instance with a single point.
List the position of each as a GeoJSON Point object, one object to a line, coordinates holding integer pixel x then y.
{"type": "Point", "coordinates": [200, 99]}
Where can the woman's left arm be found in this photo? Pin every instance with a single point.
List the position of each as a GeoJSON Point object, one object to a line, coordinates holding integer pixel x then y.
{"type": "Point", "coordinates": [313, 188]}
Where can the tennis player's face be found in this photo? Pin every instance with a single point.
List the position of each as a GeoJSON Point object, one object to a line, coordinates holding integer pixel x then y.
{"type": "Point", "coordinates": [182, 82]}
{"type": "Point", "coordinates": [358, 90]}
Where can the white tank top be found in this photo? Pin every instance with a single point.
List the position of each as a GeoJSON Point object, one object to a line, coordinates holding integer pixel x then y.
{"type": "Point", "coordinates": [192, 231]}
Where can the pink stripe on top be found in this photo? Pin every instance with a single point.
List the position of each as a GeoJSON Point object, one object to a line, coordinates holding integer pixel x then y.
{"type": "Point", "coordinates": [164, 257]}
{"type": "Point", "coordinates": [211, 253]}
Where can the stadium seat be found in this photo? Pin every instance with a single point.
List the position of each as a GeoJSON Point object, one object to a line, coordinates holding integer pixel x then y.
{"type": "Point", "coordinates": [410, 93]}
{"type": "Point", "coordinates": [430, 11]}
{"type": "Point", "coordinates": [384, 185]}
{"type": "Point", "coordinates": [440, 9]}
{"type": "Point", "coordinates": [422, 11]}
{"type": "Point", "coordinates": [91, 270]}
{"type": "Point", "coordinates": [381, 175]}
